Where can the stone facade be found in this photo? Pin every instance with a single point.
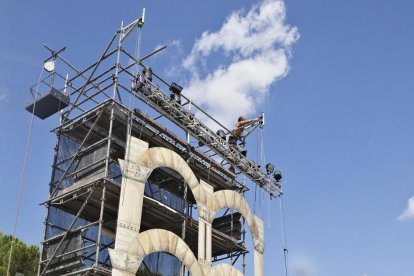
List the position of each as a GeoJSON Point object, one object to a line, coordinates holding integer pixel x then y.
{"type": "Point", "coordinates": [131, 246]}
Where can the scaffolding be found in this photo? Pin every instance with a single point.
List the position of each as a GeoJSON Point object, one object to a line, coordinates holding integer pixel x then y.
{"type": "Point", "coordinates": [98, 109]}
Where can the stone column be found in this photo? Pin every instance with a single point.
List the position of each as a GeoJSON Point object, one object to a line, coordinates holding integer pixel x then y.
{"type": "Point", "coordinates": [204, 231]}
{"type": "Point", "coordinates": [201, 240]}
{"type": "Point", "coordinates": [208, 243]}
{"type": "Point", "coordinates": [259, 245]}
{"type": "Point", "coordinates": [124, 257]}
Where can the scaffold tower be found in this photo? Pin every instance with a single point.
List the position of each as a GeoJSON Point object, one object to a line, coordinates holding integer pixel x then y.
{"type": "Point", "coordinates": [101, 108]}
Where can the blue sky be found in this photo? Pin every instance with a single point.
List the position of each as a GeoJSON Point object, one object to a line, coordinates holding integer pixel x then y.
{"type": "Point", "coordinates": [339, 113]}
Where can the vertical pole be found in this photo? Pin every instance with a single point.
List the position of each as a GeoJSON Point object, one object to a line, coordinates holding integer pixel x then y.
{"type": "Point", "coordinates": [244, 245]}
{"type": "Point", "coordinates": [52, 178]}
{"type": "Point", "coordinates": [185, 194]}
{"type": "Point", "coordinates": [244, 242]}
{"type": "Point", "coordinates": [282, 219]}
{"type": "Point", "coordinates": [184, 222]}
{"type": "Point", "coordinates": [65, 92]}
{"type": "Point", "coordinates": [107, 159]}
{"type": "Point", "coordinates": [231, 234]}
{"type": "Point", "coordinates": [118, 55]}
{"type": "Point", "coordinates": [44, 238]}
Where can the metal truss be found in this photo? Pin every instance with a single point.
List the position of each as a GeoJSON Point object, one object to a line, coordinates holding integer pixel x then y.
{"type": "Point", "coordinates": [188, 122]}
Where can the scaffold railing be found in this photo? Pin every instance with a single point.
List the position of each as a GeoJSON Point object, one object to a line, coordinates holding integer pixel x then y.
{"type": "Point", "coordinates": [97, 86]}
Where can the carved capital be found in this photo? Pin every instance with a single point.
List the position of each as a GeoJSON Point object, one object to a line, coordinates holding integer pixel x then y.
{"type": "Point", "coordinates": [134, 171]}
{"type": "Point", "coordinates": [123, 261]}
{"type": "Point", "coordinates": [128, 225]}
{"type": "Point", "coordinates": [259, 245]}
{"type": "Point", "coordinates": [205, 213]}
{"type": "Point", "coordinates": [205, 265]}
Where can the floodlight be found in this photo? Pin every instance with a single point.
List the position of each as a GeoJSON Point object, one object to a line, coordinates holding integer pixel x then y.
{"type": "Point", "coordinates": [277, 175]}
{"type": "Point", "coordinates": [175, 88]}
{"type": "Point", "coordinates": [221, 134]}
{"type": "Point", "coordinates": [147, 73]}
{"type": "Point", "coordinates": [176, 92]}
{"type": "Point", "coordinates": [49, 65]}
{"type": "Point", "coordinates": [270, 168]}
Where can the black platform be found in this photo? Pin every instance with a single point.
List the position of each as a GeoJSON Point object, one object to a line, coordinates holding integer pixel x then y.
{"type": "Point", "coordinates": [48, 104]}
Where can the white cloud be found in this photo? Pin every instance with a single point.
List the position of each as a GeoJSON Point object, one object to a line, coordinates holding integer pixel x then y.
{"type": "Point", "coordinates": [4, 93]}
{"type": "Point", "coordinates": [302, 266]}
{"type": "Point", "coordinates": [256, 49]}
{"type": "Point", "coordinates": [173, 54]}
{"type": "Point", "coordinates": [409, 211]}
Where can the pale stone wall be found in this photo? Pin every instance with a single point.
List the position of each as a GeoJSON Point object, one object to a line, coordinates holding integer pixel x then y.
{"type": "Point", "coordinates": [131, 246]}
{"type": "Point", "coordinates": [224, 270]}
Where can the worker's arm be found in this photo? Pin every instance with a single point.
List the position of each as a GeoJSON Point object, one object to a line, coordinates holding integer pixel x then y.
{"type": "Point", "coordinates": [248, 122]}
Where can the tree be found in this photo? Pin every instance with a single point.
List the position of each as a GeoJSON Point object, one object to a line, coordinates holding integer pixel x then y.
{"type": "Point", "coordinates": [145, 272]}
{"type": "Point", "coordinates": [25, 259]}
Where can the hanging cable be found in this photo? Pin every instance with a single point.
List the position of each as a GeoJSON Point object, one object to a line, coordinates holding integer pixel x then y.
{"type": "Point", "coordinates": [131, 98]}
{"type": "Point", "coordinates": [258, 160]}
{"type": "Point", "coordinates": [145, 113]}
{"type": "Point", "coordinates": [22, 177]}
{"type": "Point", "coordinates": [261, 160]}
{"type": "Point", "coordinates": [282, 219]}
{"type": "Point", "coordinates": [244, 241]}
{"type": "Point", "coordinates": [137, 55]}
{"type": "Point", "coordinates": [138, 49]}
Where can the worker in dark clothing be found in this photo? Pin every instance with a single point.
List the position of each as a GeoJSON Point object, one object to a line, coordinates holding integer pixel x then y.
{"type": "Point", "coordinates": [142, 79]}
{"type": "Point", "coordinates": [147, 73]}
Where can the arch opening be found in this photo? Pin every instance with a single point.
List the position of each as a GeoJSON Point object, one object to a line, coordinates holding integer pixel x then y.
{"type": "Point", "coordinates": [159, 240]}
{"type": "Point", "coordinates": [234, 254]}
{"type": "Point", "coordinates": [156, 157]}
{"type": "Point", "coordinates": [159, 263]}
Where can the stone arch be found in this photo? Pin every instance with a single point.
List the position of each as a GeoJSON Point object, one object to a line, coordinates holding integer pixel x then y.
{"type": "Point", "coordinates": [161, 157]}
{"type": "Point", "coordinates": [231, 199]}
{"type": "Point", "coordinates": [156, 240]}
{"type": "Point", "coordinates": [224, 270]}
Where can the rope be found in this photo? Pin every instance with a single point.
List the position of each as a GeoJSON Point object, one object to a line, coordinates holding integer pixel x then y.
{"type": "Point", "coordinates": [137, 50]}
{"type": "Point", "coordinates": [258, 158]}
{"type": "Point", "coordinates": [142, 125]}
{"type": "Point", "coordinates": [261, 160]}
{"type": "Point", "coordinates": [137, 54]}
{"type": "Point", "coordinates": [285, 250]}
{"type": "Point", "coordinates": [131, 102]}
{"type": "Point", "coordinates": [22, 177]}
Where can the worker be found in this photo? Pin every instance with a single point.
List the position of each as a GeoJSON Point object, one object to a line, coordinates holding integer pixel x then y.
{"type": "Point", "coordinates": [237, 132]}
{"type": "Point", "coordinates": [141, 80]}
{"type": "Point", "coordinates": [147, 72]}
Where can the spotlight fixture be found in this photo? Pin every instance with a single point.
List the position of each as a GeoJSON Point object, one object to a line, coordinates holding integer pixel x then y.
{"type": "Point", "coordinates": [222, 134]}
{"type": "Point", "coordinates": [176, 92]}
{"type": "Point", "coordinates": [270, 168]}
{"type": "Point", "coordinates": [175, 88]}
{"type": "Point", "coordinates": [147, 71]}
{"type": "Point", "coordinates": [49, 65]}
{"type": "Point", "coordinates": [277, 175]}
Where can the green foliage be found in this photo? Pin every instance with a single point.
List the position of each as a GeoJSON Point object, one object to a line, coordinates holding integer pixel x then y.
{"type": "Point", "coordinates": [25, 259]}
{"type": "Point", "coordinates": [144, 272]}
